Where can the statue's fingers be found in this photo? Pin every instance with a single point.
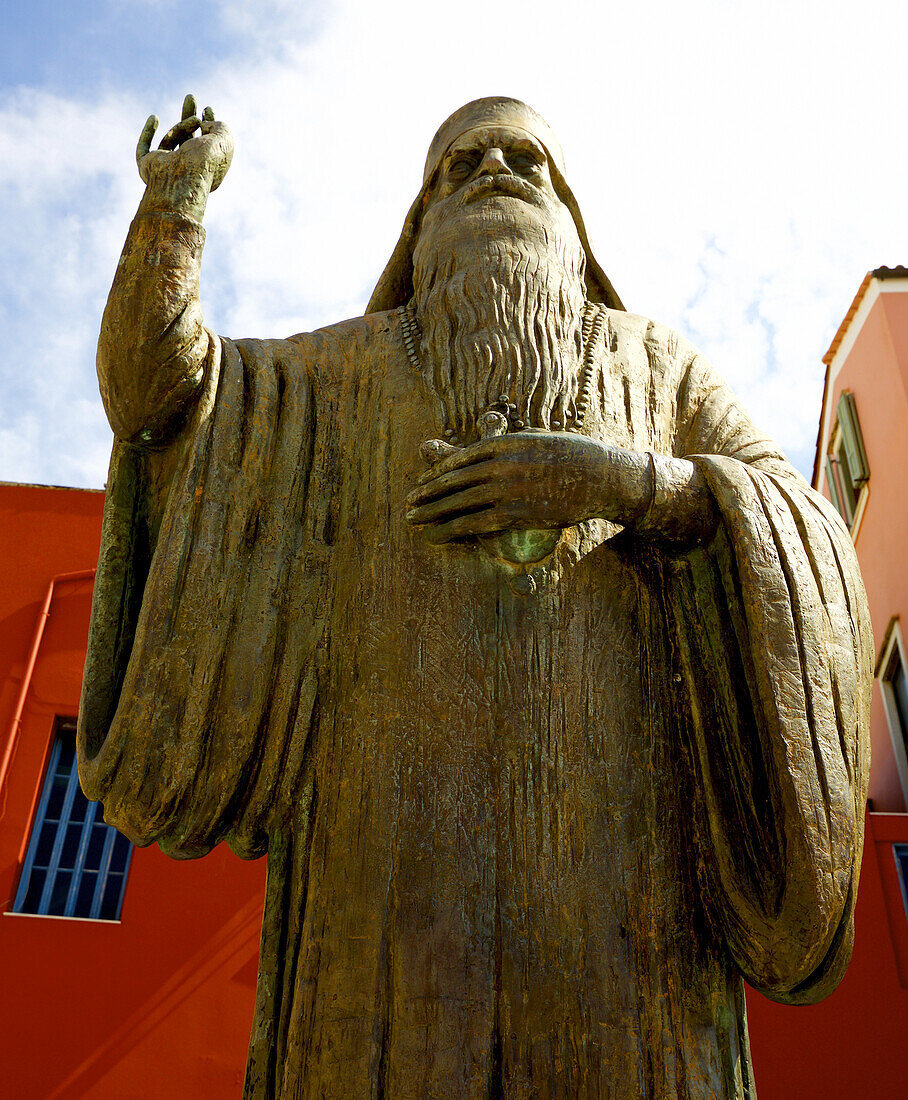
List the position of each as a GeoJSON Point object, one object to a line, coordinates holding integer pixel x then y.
{"type": "Point", "coordinates": [183, 130]}
{"type": "Point", "coordinates": [466, 458]}
{"type": "Point", "coordinates": [148, 132]}
{"type": "Point", "coordinates": [454, 481]}
{"type": "Point", "coordinates": [169, 140]}
{"type": "Point", "coordinates": [462, 457]}
{"type": "Point", "coordinates": [189, 107]}
{"type": "Point", "coordinates": [217, 128]}
{"type": "Point", "coordinates": [488, 522]}
{"type": "Point", "coordinates": [454, 504]}
{"type": "Point", "coordinates": [434, 450]}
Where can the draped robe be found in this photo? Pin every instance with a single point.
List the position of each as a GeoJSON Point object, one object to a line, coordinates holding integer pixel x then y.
{"type": "Point", "coordinates": [520, 843]}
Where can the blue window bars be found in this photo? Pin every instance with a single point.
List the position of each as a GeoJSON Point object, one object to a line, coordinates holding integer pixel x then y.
{"type": "Point", "coordinates": [901, 863]}
{"type": "Point", "coordinates": [76, 864]}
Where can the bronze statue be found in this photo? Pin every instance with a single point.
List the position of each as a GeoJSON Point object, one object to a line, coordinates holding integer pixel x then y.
{"type": "Point", "coordinates": [537, 672]}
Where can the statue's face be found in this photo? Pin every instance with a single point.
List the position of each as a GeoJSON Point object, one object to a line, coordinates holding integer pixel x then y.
{"type": "Point", "coordinates": [493, 182]}
{"type": "Point", "coordinates": [489, 163]}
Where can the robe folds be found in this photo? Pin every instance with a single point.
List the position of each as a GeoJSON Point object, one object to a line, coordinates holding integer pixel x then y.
{"type": "Point", "coordinates": [521, 843]}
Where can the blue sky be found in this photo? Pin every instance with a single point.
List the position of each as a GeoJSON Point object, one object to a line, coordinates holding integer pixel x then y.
{"type": "Point", "coordinates": [92, 45]}
{"type": "Point", "coordinates": [739, 168]}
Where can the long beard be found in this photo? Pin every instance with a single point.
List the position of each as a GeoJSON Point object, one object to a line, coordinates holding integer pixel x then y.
{"type": "Point", "coordinates": [501, 321]}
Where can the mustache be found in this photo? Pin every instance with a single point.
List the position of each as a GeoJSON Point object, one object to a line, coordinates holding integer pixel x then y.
{"type": "Point", "coordinates": [500, 185]}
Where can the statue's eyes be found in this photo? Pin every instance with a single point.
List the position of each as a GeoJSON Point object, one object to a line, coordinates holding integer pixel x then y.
{"type": "Point", "coordinates": [524, 163]}
{"type": "Point", "coordinates": [461, 167]}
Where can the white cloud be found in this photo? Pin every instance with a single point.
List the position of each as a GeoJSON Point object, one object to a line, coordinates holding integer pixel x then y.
{"type": "Point", "coordinates": [736, 165]}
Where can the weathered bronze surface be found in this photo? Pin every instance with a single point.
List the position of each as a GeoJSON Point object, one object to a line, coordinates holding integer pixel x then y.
{"type": "Point", "coordinates": [535, 669]}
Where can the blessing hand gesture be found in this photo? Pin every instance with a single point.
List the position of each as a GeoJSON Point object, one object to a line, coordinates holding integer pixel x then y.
{"type": "Point", "coordinates": [185, 167]}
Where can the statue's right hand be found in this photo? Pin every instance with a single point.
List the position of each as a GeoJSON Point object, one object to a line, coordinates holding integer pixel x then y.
{"type": "Point", "coordinates": [185, 167]}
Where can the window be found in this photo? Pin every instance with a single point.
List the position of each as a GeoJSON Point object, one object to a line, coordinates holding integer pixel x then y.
{"type": "Point", "coordinates": [846, 463]}
{"type": "Point", "coordinates": [75, 865]}
{"type": "Point", "coordinates": [892, 670]}
{"type": "Point", "coordinates": [901, 863]}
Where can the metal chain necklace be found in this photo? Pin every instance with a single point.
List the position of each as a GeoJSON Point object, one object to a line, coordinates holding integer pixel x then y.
{"type": "Point", "coordinates": [500, 416]}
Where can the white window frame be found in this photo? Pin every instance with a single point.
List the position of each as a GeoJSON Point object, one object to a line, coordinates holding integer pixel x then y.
{"type": "Point", "coordinates": [893, 643]}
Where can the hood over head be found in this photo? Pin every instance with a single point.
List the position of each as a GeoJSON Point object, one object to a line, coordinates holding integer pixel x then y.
{"type": "Point", "coordinates": [395, 287]}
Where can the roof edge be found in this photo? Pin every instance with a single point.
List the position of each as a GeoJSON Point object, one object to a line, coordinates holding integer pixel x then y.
{"type": "Point", "coordinates": [40, 485]}
{"type": "Point", "coordinates": [881, 273]}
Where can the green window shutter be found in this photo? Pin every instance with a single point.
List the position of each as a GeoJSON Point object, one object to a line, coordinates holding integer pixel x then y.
{"type": "Point", "coordinates": [834, 489]}
{"type": "Point", "coordinates": [852, 441]}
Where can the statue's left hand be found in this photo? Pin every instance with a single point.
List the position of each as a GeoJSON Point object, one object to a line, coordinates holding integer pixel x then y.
{"type": "Point", "coordinates": [530, 479]}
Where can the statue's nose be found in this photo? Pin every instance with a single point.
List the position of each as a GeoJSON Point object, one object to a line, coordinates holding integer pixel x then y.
{"type": "Point", "coordinates": [493, 163]}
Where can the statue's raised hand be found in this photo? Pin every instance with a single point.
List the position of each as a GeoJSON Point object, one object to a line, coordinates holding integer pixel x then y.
{"type": "Point", "coordinates": [186, 166]}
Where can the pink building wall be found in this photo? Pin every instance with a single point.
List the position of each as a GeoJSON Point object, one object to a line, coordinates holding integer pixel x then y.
{"type": "Point", "coordinates": [871, 360]}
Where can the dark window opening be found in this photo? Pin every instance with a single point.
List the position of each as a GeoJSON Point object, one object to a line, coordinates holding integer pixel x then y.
{"type": "Point", "coordinates": [895, 681]}
{"type": "Point", "coordinates": [76, 864]}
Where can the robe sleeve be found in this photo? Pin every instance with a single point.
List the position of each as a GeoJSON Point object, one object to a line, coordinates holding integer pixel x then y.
{"type": "Point", "coordinates": [776, 649]}
{"type": "Point", "coordinates": [200, 681]}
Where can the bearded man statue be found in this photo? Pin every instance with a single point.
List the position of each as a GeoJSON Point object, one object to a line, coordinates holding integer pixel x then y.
{"type": "Point", "coordinates": [537, 672]}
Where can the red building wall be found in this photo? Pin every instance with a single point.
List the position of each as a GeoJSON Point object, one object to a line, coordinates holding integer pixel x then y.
{"type": "Point", "coordinates": [852, 1045]}
{"type": "Point", "coordinates": [159, 1003]}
